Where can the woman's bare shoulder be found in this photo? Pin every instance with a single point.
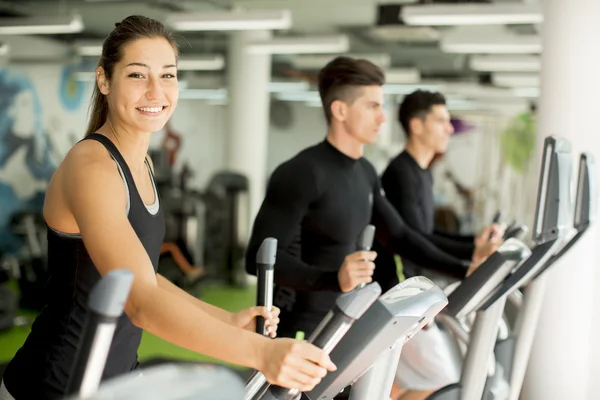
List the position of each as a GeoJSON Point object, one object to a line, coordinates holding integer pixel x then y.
{"type": "Point", "coordinates": [87, 153]}
{"type": "Point", "coordinates": [86, 175]}
{"type": "Point", "coordinates": [87, 164]}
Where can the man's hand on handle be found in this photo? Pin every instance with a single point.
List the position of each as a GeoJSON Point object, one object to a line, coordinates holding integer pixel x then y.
{"type": "Point", "coordinates": [246, 319]}
{"type": "Point", "coordinates": [493, 233]}
{"type": "Point", "coordinates": [358, 268]}
{"type": "Point", "coordinates": [490, 239]}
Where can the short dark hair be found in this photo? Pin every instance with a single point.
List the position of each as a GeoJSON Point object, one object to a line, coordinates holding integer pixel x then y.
{"type": "Point", "coordinates": [128, 30]}
{"type": "Point", "coordinates": [340, 78]}
{"type": "Point", "coordinates": [417, 105]}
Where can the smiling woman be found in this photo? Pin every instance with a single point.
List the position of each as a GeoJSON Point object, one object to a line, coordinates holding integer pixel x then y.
{"type": "Point", "coordinates": [103, 213]}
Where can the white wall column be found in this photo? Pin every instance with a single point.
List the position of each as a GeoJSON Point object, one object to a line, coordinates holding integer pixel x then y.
{"type": "Point", "coordinates": [565, 348]}
{"type": "Point", "coordinates": [248, 114]}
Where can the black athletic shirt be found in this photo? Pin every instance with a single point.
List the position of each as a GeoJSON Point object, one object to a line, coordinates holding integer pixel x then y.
{"type": "Point", "coordinates": [409, 188]}
{"type": "Point", "coordinates": [316, 206]}
{"type": "Point", "coordinates": [41, 368]}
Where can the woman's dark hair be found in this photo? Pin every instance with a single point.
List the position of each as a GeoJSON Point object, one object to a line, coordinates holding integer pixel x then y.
{"type": "Point", "coordinates": [130, 29]}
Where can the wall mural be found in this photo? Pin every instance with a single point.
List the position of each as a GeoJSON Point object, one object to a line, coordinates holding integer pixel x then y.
{"type": "Point", "coordinates": [71, 91]}
{"type": "Point", "coordinates": [28, 150]}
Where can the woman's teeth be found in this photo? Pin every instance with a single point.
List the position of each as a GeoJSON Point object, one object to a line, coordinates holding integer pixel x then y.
{"type": "Point", "coordinates": [151, 109]}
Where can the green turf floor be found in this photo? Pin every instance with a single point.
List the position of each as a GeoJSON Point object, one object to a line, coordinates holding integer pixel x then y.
{"type": "Point", "coordinates": [232, 299]}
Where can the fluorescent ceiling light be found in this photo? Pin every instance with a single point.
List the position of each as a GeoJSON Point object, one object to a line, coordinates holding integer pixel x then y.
{"type": "Point", "coordinates": [407, 89]}
{"type": "Point", "coordinates": [204, 80]}
{"type": "Point", "coordinates": [402, 75]}
{"type": "Point", "coordinates": [84, 76]}
{"type": "Point", "coordinates": [402, 33]}
{"type": "Point", "coordinates": [203, 94]}
{"type": "Point", "coordinates": [527, 92]}
{"type": "Point", "coordinates": [300, 45]}
{"type": "Point", "coordinates": [292, 91]}
{"type": "Point", "coordinates": [231, 21]}
{"type": "Point", "coordinates": [516, 80]}
{"type": "Point", "coordinates": [506, 63]}
{"type": "Point", "coordinates": [89, 48]}
{"type": "Point", "coordinates": [388, 89]}
{"type": "Point", "coordinates": [40, 25]}
{"type": "Point", "coordinates": [308, 96]}
{"type": "Point", "coordinates": [313, 104]}
{"type": "Point", "coordinates": [220, 102]}
{"type": "Point", "coordinates": [319, 61]}
{"type": "Point", "coordinates": [201, 63]}
{"type": "Point", "coordinates": [509, 44]}
{"type": "Point", "coordinates": [471, 14]}
{"type": "Point", "coordinates": [462, 105]}
{"type": "Point", "coordinates": [289, 86]}
{"type": "Point", "coordinates": [490, 94]}
{"type": "Point", "coordinates": [475, 90]}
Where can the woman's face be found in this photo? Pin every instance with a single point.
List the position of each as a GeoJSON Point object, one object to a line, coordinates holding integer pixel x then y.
{"type": "Point", "coordinates": [143, 90]}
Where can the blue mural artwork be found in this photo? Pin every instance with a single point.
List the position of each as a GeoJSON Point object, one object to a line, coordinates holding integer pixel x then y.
{"type": "Point", "coordinates": [25, 163]}
{"type": "Point", "coordinates": [71, 91]}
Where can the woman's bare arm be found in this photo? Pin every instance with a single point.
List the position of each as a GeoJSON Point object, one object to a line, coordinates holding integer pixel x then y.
{"type": "Point", "coordinates": [216, 312]}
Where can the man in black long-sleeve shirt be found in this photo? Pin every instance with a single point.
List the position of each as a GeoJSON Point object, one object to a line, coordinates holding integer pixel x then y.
{"type": "Point", "coordinates": [318, 203]}
{"type": "Point", "coordinates": [408, 183]}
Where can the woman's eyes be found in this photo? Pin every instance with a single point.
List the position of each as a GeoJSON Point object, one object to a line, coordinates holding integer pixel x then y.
{"type": "Point", "coordinates": [140, 76]}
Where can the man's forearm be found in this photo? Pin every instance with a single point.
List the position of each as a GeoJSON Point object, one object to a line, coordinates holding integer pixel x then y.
{"type": "Point", "coordinates": [216, 312]}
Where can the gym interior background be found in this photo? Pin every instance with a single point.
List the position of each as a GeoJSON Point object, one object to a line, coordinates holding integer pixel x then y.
{"type": "Point", "coordinates": [214, 157]}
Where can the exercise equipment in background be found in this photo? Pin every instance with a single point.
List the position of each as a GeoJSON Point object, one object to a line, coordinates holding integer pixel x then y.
{"type": "Point", "coordinates": [209, 226]}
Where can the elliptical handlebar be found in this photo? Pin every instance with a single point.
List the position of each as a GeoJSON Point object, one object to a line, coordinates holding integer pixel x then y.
{"type": "Point", "coordinates": [365, 242]}
{"type": "Point", "coordinates": [265, 263]}
{"type": "Point", "coordinates": [348, 308]}
{"type": "Point", "coordinates": [478, 286]}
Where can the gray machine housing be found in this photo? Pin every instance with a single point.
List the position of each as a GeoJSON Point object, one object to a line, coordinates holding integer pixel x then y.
{"type": "Point", "coordinates": [174, 381]}
{"type": "Point", "coordinates": [389, 322]}
{"type": "Point", "coordinates": [553, 208]}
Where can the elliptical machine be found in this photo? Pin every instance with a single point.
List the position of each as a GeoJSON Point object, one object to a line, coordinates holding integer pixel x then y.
{"type": "Point", "coordinates": [515, 356]}
{"type": "Point", "coordinates": [551, 228]}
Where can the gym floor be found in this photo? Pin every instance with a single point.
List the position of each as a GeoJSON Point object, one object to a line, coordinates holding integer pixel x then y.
{"type": "Point", "coordinates": [152, 347]}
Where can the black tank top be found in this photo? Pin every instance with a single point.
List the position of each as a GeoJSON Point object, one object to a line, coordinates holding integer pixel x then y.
{"type": "Point", "coordinates": [41, 368]}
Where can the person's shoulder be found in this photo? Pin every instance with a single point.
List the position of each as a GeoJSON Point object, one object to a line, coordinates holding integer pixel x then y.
{"type": "Point", "coordinates": [309, 155]}
{"type": "Point", "coordinates": [402, 166]}
{"type": "Point", "coordinates": [88, 159]}
{"type": "Point", "coordinates": [87, 151]}
{"type": "Point", "coordinates": [401, 161]}
{"type": "Point", "coordinates": [297, 173]}
{"type": "Point", "coordinates": [301, 164]}
{"type": "Point", "coordinates": [368, 167]}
